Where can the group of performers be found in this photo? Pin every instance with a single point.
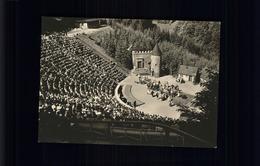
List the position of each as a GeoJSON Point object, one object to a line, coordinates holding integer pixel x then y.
{"type": "Point", "coordinates": [161, 91]}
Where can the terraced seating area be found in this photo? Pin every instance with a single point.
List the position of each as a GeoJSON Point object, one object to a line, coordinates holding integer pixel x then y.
{"type": "Point", "coordinates": [71, 74]}
{"type": "Point", "coordinates": [77, 84]}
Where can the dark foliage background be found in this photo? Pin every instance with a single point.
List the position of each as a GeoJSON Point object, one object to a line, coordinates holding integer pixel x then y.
{"type": "Point", "coordinates": [62, 24]}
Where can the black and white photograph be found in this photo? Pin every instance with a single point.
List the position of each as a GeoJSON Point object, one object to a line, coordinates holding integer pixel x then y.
{"type": "Point", "coordinates": [137, 81]}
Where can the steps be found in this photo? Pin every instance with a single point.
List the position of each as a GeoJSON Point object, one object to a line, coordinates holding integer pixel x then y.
{"type": "Point", "coordinates": [141, 71]}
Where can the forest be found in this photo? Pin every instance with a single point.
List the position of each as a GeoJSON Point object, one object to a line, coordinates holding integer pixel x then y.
{"type": "Point", "coordinates": [193, 43]}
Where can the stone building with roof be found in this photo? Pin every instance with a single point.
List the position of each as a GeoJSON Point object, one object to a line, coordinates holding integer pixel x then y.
{"type": "Point", "coordinates": [188, 73]}
{"type": "Point", "coordinates": [147, 62]}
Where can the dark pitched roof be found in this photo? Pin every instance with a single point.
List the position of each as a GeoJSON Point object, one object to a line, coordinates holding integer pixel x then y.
{"type": "Point", "coordinates": [188, 70]}
{"type": "Point", "coordinates": [156, 50]}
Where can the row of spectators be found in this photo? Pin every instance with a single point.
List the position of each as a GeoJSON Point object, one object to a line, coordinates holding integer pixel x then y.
{"type": "Point", "coordinates": [99, 108]}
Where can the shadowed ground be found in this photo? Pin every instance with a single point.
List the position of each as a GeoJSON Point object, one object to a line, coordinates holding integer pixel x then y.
{"type": "Point", "coordinates": [127, 92]}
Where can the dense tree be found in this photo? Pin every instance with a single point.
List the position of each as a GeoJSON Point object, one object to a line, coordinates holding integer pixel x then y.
{"type": "Point", "coordinates": [207, 101]}
{"type": "Point", "coordinates": [207, 98]}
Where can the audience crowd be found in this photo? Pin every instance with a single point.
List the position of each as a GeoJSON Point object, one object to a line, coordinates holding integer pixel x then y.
{"type": "Point", "coordinates": [77, 84]}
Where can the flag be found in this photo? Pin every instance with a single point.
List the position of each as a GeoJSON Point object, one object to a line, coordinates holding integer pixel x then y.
{"type": "Point", "coordinates": [129, 48]}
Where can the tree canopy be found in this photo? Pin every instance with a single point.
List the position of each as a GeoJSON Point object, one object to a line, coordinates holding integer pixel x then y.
{"type": "Point", "coordinates": [207, 101]}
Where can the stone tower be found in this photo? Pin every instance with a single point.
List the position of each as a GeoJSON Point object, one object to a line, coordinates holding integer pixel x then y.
{"type": "Point", "coordinates": [156, 61]}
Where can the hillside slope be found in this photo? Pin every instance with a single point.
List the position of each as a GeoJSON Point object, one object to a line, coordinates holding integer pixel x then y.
{"type": "Point", "coordinates": [199, 37]}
